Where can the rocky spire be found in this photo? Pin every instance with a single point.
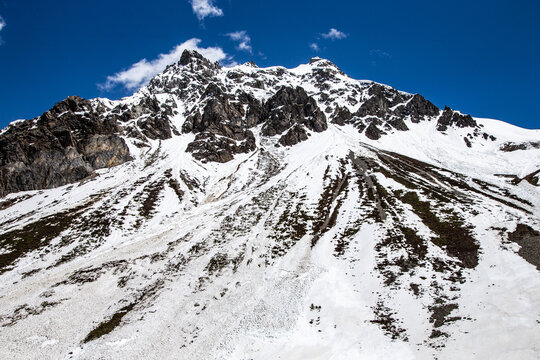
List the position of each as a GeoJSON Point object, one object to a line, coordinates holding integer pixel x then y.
{"type": "Point", "coordinates": [192, 57]}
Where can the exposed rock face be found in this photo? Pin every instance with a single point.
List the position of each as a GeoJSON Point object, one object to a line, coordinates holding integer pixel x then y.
{"type": "Point", "coordinates": [193, 58]}
{"type": "Point", "coordinates": [453, 118]}
{"type": "Point", "coordinates": [385, 109]}
{"type": "Point", "coordinates": [291, 106]}
{"type": "Point", "coordinates": [104, 151]}
{"type": "Point", "coordinates": [324, 72]}
{"type": "Point", "coordinates": [187, 78]}
{"type": "Point", "coordinates": [62, 146]}
{"type": "Point", "coordinates": [373, 132]}
{"type": "Point", "coordinates": [529, 241]}
{"type": "Point", "coordinates": [511, 146]}
{"type": "Point", "coordinates": [255, 112]}
{"type": "Point", "coordinates": [398, 124]}
{"type": "Point", "coordinates": [382, 99]}
{"type": "Point", "coordinates": [152, 119]}
{"type": "Point", "coordinates": [218, 116]}
{"type": "Point", "coordinates": [209, 147]}
{"type": "Point", "coordinates": [417, 108]}
{"type": "Point", "coordinates": [341, 116]}
{"type": "Point", "coordinates": [295, 135]}
{"type": "Point", "coordinates": [221, 125]}
{"type": "Point", "coordinates": [229, 113]}
{"type": "Point", "coordinates": [155, 127]}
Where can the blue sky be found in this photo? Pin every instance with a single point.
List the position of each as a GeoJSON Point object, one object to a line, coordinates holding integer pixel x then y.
{"type": "Point", "coordinates": [480, 57]}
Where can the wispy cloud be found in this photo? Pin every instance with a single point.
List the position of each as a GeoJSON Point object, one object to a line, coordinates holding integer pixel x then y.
{"type": "Point", "coordinates": [242, 39]}
{"type": "Point", "coordinates": [2, 25]}
{"type": "Point", "coordinates": [379, 53]}
{"type": "Point", "coordinates": [334, 34]}
{"type": "Point", "coordinates": [205, 8]}
{"type": "Point", "coordinates": [142, 71]}
{"type": "Point", "coordinates": [314, 46]}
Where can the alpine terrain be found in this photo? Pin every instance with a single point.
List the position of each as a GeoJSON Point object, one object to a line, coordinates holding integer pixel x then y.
{"type": "Point", "coordinates": [268, 213]}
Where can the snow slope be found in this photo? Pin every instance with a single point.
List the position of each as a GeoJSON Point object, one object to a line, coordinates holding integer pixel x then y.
{"type": "Point", "coordinates": [339, 247]}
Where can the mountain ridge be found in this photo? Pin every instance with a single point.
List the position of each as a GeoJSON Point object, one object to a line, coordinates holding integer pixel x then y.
{"type": "Point", "coordinates": [382, 110]}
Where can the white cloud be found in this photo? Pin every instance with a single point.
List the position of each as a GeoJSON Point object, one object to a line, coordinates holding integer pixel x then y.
{"type": "Point", "coordinates": [243, 40]}
{"type": "Point", "coordinates": [314, 46]}
{"type": "Point", "coordinates": [334, 34]}
{"type": "Point", "coordinates": [142, 71]}
{"type": "Point", "coordinates": [2, 25]}
{"type": "Point", "coordinates": [205, 8]}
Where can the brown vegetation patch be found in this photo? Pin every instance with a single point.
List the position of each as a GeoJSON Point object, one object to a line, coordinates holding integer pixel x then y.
{"type": "Point", "coordinates": [452, 234]}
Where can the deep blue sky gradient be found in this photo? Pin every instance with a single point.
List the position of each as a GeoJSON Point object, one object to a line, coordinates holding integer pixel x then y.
{"type": "Point", "coordinates": [480, 57]}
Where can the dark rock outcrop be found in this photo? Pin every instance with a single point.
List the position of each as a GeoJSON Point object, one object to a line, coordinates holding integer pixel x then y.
{"type": "Point", "coordinates": [390, 107]}
{"type": "Point", "coordinates": [62, 146]}
{"type": "Point", "coordinates": [192, 57]}
{"type": "Point", "coordinates": [397, 123]}
{"type": "Point", "coordinates": [291, 106]}
{"type": "Point", "coordinates": [529, 241]}
{"type": "Point", "coordinates": [373, 132]}
{"type": "Point", "coordinates": [209, 147]}
{"type": "Point", "coordinates": [450, 117]}
{"type": "Point", "coordinates": [512, 146]}
{"type": "Point", "coordinates": [255, 112]}
{"type": "Point", "coordinates": [155, 127]}
{"type": "Point", "coordinates": [104, 150]}
{"type": "Point", "coordinates": [341, 116]}
{"type": "Point", "coordinates": [152, 118]}
{"type": "Point", "coordinates": [221, 125]}
{"type": "Point", "coordinates": [223, 115]}
{"type": "Point", "coordinates": [187, 78]}
{"type": "Point", "coordinates": [417, 108]}
{"type": "Point", "coordinates": [295, 135]}
{"type": "Point", "coordinates": [382, 99]}
{"type": "Point", "coordinates": [218, 116]}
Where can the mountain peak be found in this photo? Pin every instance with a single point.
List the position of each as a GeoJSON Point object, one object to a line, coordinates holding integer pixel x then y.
{"type": "Point", "coordinates": [251, 64]}
{"type": "Point", "coordinates": [320, 63]}
{"type": "Point", "coordinates": [189, 55]}
{"type": "Point", "coordinates": [194, 57]}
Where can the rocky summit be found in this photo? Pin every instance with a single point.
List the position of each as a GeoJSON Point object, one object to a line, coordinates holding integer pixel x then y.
{"type": "Point", "coordinates": [267, 213]}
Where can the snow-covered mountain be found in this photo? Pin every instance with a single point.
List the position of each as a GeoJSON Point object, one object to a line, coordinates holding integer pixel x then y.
{"type": "Point", "coordinates": [268, 213]}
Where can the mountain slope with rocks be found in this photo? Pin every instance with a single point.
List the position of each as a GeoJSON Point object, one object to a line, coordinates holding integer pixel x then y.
{"type": "Point", "coordinates": [256, 213]}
